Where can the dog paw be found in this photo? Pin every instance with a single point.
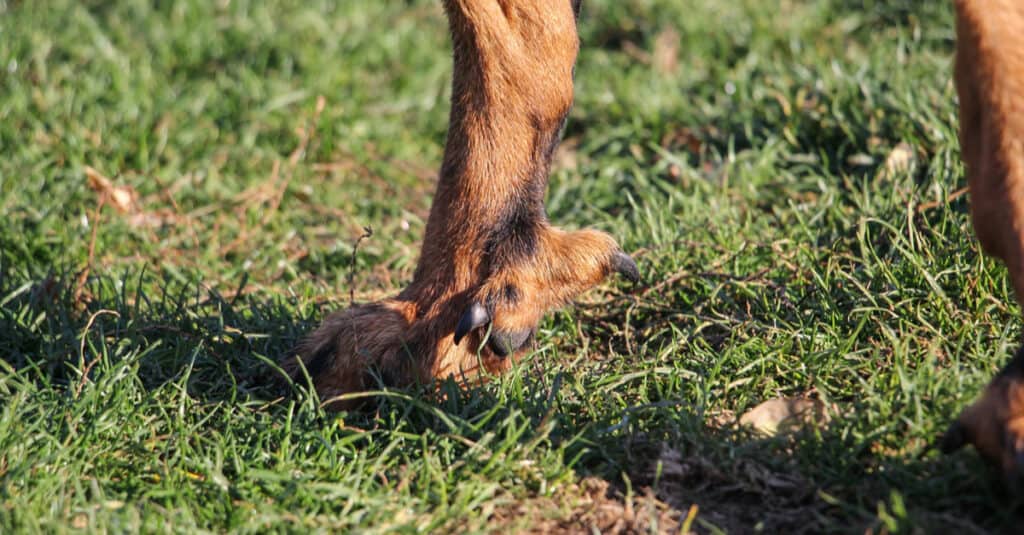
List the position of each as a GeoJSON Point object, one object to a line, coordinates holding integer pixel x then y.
{"type": "Point", "coordinates": [994, 424]}
{"type": "Point", "coordinates": [506, 309]}
{"type": "Point", "coordinates": [357, 349]}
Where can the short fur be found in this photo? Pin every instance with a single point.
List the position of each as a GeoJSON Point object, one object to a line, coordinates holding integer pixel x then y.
{"type": "Point", "coordinates": [491, 261]}
{"type": "Point", "coordinates": [488, 240]}
{"type": "Point", "coordinates": [989, 74]}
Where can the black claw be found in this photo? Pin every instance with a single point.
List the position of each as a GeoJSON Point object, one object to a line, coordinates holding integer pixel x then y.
{"type": "Point", "coordinates": [624, 265]}
{"type": "Point", "coordinates": [504, 343]}
{"type": "Point", "coordinates": [474, 317]}
{"type": "Point", "coordinates": [954, 438]}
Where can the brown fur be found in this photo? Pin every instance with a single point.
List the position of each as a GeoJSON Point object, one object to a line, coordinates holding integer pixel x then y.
{"type": "Point", "coordinates": [989, 73]}
{"type": "Point", "coordinates": [491, 259]}
{"type": "Point", "coordinates": [994, 424]}
{"type": "Point", "coordinates": [488, 240]}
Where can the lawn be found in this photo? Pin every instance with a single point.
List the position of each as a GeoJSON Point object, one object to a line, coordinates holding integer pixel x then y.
{"type": "Point", "coordinates": [183, 184]}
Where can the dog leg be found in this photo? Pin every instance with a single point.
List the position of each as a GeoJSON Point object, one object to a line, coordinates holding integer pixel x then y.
{"type": "Point", "coordinates": [490, 262]}
{"type": "Point", "coordinates": [989, 73]}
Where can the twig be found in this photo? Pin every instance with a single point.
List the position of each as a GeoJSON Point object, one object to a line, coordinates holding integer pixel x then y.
{"type": "Point", "coordinates": [86, 368]}
{"type": "Point", "coordinates": [83, 277]}
{"type": "Point", "coordinates": [367, 233]}
{"type": "Point", "coordinates": [935, 204]}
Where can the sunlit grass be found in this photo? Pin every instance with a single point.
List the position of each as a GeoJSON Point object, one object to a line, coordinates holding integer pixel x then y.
{"type": "Point", "coordinates": [787, 175]}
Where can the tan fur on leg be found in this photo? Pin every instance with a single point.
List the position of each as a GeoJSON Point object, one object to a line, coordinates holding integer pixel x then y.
{"type": "Point", "coordinates": [490, 258]}
{"type": "Point", "coordinates": [989, 76]}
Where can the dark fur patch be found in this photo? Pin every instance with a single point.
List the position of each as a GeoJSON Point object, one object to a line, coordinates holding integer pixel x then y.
{"type": "Point", "coordinates": [956, 437]}
{"type": "Point", "coordinates": [320, 360]}
{"type": "Point", "coordinates": [511, 294]}
{"type": "Point", "coordinates": [514, 235]}
{"type": "Point", "coordinates": [1015, 368]}
{"type": "Point", "coordinates": [379, 377]}
{"type": "Point", "coordinates": [547, 134]}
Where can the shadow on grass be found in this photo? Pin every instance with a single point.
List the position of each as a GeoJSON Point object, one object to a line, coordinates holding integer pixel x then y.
{"type": "Point", "coordinates": [221, 346]}
{"type": "Point", "coordinates": [823, 480]}
{"type": "Point", "coordinates": [851, 475]}
{"type": "Point", "coordinates": [723, 478]}
{"type": "Point", "coordinates": [812, 481]}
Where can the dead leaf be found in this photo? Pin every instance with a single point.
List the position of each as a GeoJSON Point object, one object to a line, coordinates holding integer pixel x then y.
{"type": "Point", "coordinates": [860, 160]}
{"type": "Point", "coordinates": [900, 159]}
{"type": "Point", "coordinates": [156, 219]}
{"type": "Point", "coordinates": [666, 51]}
{"type": "Point", "coordinates": [682, 138]}
{"type": "Point", "coordinates": [781, 414]}
{"type": "Point", "coordinates": [123, 198]}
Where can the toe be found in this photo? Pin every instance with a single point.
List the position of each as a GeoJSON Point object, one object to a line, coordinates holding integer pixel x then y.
{"type": "Point", "coordinates": [508, 333]}
{"type": "Point", "coordinates": [994, 424]}
{"type": "Point", "coordinates": [624, 265]}
{"type": "Point", "coordinates": [506, 342]}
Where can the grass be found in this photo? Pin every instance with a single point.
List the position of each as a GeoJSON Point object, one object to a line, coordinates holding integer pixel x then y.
{"type": "Point", "coordinates": [787, 174]}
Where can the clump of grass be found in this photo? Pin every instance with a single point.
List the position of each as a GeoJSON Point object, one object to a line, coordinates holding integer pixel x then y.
{"type": "Point", "coordinates": [787, 175]}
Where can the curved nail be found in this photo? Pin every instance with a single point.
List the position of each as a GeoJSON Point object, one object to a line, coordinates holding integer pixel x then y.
{"type": "Point", "coordinates": [624, 265]}
{"type": "Point", "coordinates": [473, 318]}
